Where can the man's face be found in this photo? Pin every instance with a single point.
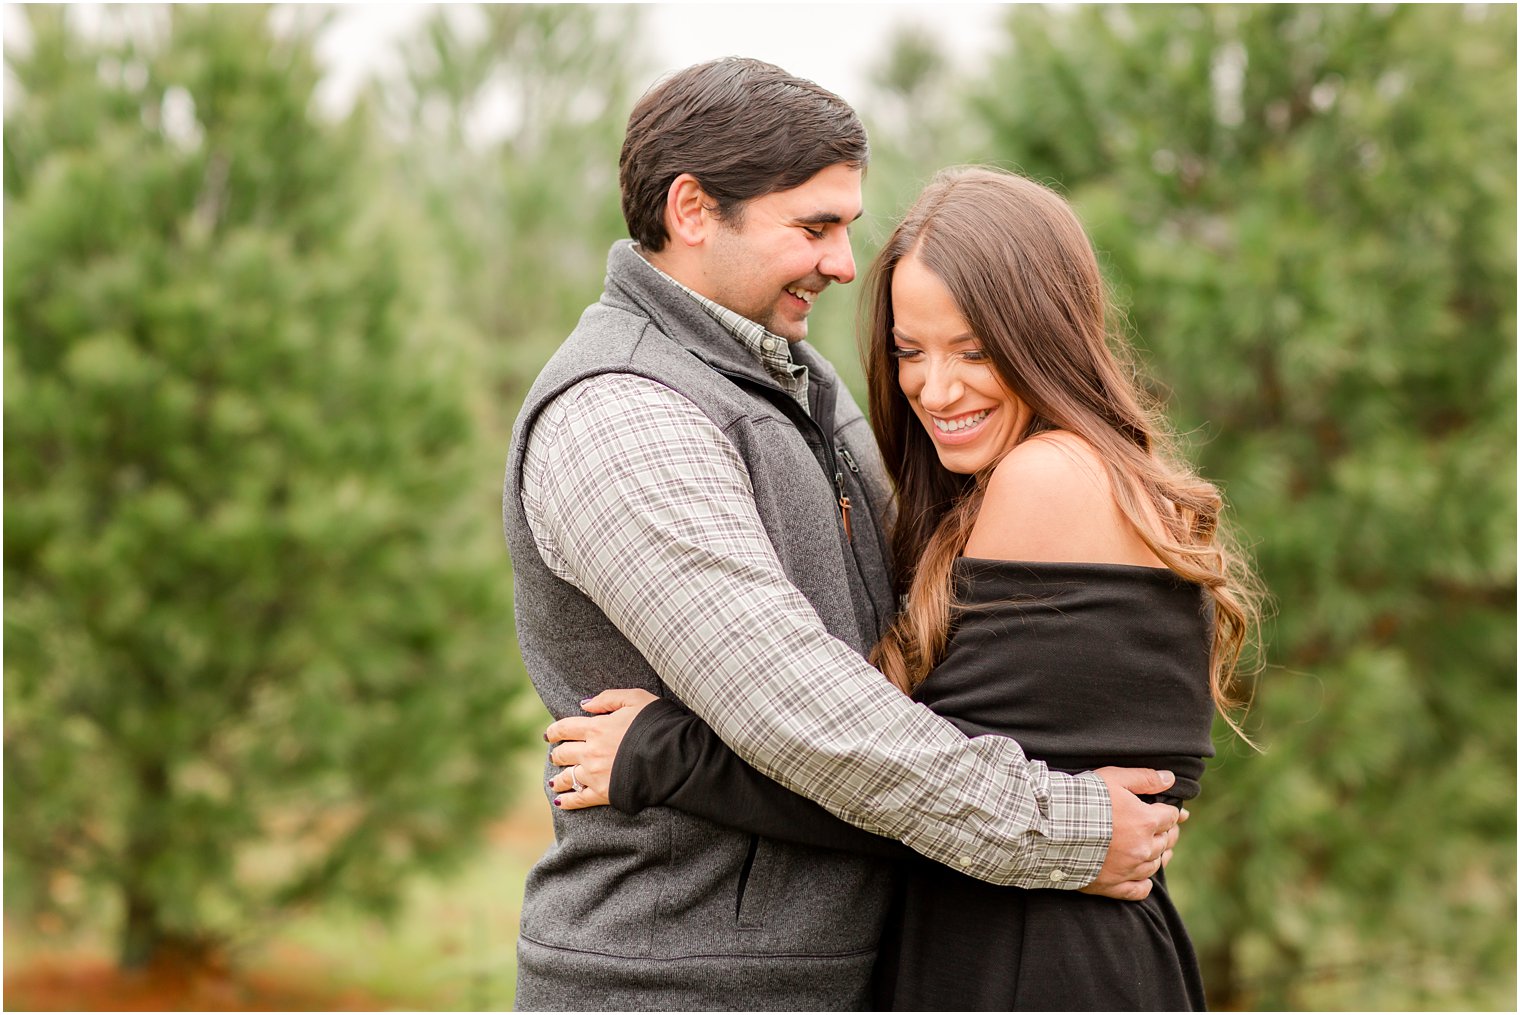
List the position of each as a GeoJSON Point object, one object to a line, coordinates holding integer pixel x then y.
{"type": "Point", "coordinates": [784, 250]}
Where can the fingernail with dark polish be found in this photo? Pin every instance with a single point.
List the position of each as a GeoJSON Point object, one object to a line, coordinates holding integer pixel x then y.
{"type": "Point", "coordinates": [556, 801]}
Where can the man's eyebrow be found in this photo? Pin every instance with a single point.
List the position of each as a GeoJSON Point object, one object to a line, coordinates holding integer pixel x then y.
{"type": "Point", "coordinates": [822, 218]}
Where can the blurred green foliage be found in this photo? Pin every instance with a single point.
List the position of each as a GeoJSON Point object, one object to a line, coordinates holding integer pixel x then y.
{"type": "Point", "coordinates": [255, 627]}
{"type": "Point", "coordinates": [260, 369]}
{"type": "Point", "coordinates": [512, 118]}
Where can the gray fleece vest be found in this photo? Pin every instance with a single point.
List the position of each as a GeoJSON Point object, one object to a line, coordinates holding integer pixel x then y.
{"type": "Point", "coordinates": [664, 911]}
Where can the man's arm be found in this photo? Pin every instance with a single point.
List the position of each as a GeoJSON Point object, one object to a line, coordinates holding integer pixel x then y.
{"type": "Point", "coordinates": [636, 751]}
{"type": "Point", "coordinates": [637, 499]}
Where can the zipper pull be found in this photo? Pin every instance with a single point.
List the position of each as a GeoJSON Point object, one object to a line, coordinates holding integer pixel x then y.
{"type": "Point", "coordinates": [849, 459]}
{"type": "Point", "coordinates": [844, 506]}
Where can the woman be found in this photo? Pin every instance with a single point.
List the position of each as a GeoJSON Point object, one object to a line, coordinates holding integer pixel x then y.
{"type": "Point", "coordinates": [1067, 586]}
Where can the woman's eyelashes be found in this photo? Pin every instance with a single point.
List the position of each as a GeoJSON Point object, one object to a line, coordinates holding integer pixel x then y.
{"type": "Point", "coordinates": [969, 355]}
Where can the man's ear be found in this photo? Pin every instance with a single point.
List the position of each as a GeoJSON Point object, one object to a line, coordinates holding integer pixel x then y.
{"type": "Point", "coordinates": [689, 212]}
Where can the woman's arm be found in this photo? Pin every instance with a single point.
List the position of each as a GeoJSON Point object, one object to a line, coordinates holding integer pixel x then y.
{"type": "Point", "coordinates": [669, 757]}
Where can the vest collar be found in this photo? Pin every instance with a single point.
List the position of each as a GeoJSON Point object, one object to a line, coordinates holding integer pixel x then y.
{"type": "Point", "coordinates": [633, 280]}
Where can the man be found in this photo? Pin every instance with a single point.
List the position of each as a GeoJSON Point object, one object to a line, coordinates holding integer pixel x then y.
{"type": "Point", "coordinates": [694, 506]}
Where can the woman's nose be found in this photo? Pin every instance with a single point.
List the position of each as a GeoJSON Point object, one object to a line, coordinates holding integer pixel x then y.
{"type": "Point", "coordinates": [941, 390]}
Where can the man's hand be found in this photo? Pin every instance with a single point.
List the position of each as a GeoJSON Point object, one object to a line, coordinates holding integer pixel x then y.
{"type": "Point", "coordinates": [1144, 834]}
{"type": "Point", "coordinates": [588, 745]}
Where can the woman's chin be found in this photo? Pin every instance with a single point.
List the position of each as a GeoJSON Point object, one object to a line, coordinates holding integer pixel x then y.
{"type": "Point", "coordinates": [961, 465]}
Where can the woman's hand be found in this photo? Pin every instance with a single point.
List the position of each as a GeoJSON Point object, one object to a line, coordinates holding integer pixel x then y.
{"type": "Point", "coordinates": [586, 746]}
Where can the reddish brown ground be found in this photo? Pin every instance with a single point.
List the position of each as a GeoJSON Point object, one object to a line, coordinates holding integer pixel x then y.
{"type": "Point", "coordinates": [287, 979]}
{"type": "Point", "coordinates": [65, 982]}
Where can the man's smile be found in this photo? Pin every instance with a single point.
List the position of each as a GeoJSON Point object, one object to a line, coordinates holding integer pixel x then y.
{"type": "Point", "coordinates": [806, 296]}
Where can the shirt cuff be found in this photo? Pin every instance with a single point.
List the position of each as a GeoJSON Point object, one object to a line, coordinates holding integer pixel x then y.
{"type": "Point", "coordinates": [1081, 826]}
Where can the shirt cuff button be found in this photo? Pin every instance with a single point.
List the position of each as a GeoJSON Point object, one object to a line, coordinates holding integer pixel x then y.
{"type": "Point", "coordinates": [1058, 875]}
{"type": "Point", "coordinates": [966, 861]}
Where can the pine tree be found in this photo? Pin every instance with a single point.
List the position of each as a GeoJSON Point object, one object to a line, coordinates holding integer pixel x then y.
{"type": "Point", "coordinates": [1308, 213]}
{"type": "Point", "coordinates": [513, 117]}
{"type": "Point", "coordinates": [254, 608]}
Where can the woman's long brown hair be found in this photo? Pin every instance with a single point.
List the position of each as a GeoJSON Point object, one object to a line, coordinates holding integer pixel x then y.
{"type": "Point", "coordinates": [1023, 274]}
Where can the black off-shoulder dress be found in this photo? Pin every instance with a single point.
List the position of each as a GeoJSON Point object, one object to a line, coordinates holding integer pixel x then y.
{"type": "Point", "coordinates": [1085, 665]}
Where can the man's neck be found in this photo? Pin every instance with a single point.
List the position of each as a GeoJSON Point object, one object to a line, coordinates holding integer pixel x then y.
{"type": "Point", "coordinates": [679, 268]}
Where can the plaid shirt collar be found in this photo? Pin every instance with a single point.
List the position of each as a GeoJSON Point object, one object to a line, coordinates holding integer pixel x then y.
{"type": "Point", "coordinates": [773, 351]}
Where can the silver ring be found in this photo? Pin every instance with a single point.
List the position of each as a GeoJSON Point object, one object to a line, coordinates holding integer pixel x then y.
{"type": "Point", "coordinates": [574, 781]}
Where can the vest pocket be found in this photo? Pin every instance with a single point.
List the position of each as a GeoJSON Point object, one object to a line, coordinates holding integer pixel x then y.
{"type": "Point", "coordinates": [749, 906]}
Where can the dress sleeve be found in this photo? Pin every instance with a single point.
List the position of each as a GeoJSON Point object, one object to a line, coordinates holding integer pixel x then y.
{"type": "Point", "coordinates": [637, 499]}
{"type": "Point", "coordinates": [671, 758]}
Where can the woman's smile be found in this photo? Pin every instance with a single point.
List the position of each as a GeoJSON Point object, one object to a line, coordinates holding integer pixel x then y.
{"type": "Point", "coordinates": [960, 429]}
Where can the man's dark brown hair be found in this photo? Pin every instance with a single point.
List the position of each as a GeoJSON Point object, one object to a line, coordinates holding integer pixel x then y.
{"type": "Point", "coordinates": [742, 127]}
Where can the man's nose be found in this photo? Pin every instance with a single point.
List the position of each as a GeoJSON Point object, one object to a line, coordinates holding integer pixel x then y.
{"type": "Point", "coordinates": [838, 261]}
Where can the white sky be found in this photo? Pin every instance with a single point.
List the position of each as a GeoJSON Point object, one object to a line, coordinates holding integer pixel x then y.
{"type": "Point", "coordinates": [833, 44]}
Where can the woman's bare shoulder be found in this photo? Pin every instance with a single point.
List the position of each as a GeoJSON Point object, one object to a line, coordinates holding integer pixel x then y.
{"type": "Point", "coordinates": [1051, 499]}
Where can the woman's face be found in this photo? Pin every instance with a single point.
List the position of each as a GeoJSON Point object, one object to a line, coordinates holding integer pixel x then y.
{"type": "Point", "coordinates": [946, 377]}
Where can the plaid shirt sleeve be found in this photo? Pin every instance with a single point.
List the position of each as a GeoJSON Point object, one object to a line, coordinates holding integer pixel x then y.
{"type": "Point", "coordinates": [639, 501]}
